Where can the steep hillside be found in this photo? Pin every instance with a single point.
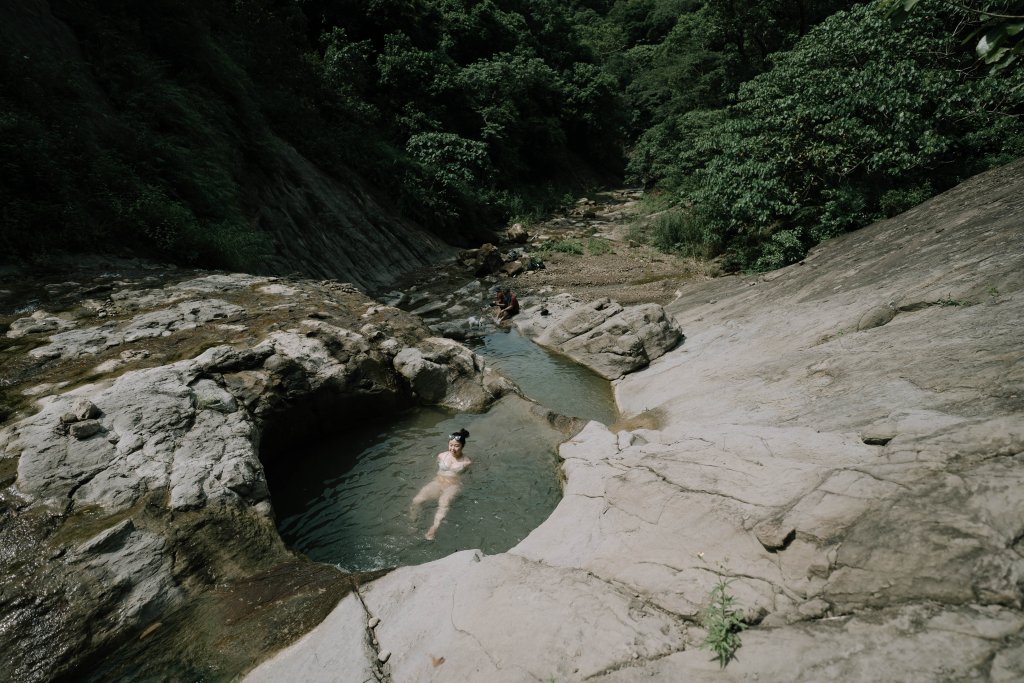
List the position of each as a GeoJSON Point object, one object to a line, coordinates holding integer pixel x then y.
{"type": "Point", "coordinates": [195, 173]}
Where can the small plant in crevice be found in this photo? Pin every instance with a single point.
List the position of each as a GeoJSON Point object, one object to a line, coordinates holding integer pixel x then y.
{"type": "Point", "coordinates": [950, 301]}
{"type": "Point", "coordinates": [723, 623]}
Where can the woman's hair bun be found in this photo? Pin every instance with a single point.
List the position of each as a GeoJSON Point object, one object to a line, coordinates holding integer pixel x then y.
{"type": "Point", "coordinates": [459, 436]}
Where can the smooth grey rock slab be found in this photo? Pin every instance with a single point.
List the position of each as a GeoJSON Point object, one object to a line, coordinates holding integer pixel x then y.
{"type": "Point", "coordinates": [338, 649]}
{"type": "Point", "coordinates": [503, 618]}
{"type": "Point", "coordinates": [604, 336]}
{"type": "Point", "coordinates": [912, 643]}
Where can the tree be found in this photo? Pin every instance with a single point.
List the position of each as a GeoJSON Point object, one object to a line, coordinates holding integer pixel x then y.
{"type": "Point", "coordinates": [857, 122]}
{"type": "Point", "coordinates": [998, 27]}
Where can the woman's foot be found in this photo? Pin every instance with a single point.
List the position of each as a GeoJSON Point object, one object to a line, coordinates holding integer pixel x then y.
{"type": "Point", "coordinates": [430, 534]}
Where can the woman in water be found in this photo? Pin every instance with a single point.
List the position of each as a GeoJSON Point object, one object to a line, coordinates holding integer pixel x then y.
{"type": "Point", "coordinates": [445, 485]}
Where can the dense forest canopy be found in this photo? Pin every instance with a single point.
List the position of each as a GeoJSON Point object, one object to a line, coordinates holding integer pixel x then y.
{"type": "Point", "coordinates": [768, 125]}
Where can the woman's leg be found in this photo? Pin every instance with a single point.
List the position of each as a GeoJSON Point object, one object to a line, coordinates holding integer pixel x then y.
{"type": "Point", "coordinates": [443, 503]}
{"type": "Point", "coordinates": [430, 491]}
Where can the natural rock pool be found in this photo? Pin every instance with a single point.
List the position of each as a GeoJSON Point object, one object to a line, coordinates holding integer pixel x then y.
{"type": "Point", "coordinates": [350, 505]}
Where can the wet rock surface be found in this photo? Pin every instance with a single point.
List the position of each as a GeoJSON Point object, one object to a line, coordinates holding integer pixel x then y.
{"type": "Point", "coordinates": [842, 440]}
{"type": "Point", "coordinates": [134, 477]}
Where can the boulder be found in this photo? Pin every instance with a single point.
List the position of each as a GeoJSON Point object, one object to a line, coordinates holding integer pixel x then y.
{"type": "Point", "coordinates": [514, 268]}
{"type": "Point", "coordinates": [517, 234]}
{"type": "Point", "coordinates": [428, 380]}
{"type": "Point", "coordinates": [604, 336]}
{"type": "Point", "coordinates": [483, 261]}
{"type": "Point", "coordinates": [443, 372]}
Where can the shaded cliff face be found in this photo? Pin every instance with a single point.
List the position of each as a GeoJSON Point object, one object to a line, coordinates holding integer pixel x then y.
{"type": "Point", "coordinates": [144, 130]}
{"type": "Point", "coordinates": [324, 228]}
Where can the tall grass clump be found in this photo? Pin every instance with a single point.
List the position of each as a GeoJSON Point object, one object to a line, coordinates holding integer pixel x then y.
{"type": "Point", "coordinates": [563, 247]}
{"type": "Point", "coordinates": [679, 232]}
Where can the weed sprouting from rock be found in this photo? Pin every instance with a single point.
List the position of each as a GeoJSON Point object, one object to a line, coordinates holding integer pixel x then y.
{"type": "Point", "coordinates": [723, 623]}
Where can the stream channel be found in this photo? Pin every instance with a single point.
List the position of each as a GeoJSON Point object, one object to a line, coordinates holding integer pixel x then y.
{"type": "Point", "coordinates": [351, 508]}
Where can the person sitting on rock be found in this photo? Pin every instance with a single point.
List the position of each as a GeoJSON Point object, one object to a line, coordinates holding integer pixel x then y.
{"type": "Point", "coordinates": [444, 486]}
{"type": "Point", "coordinates": [500, 298]}
{"type": "Point", "coordinates": [510, 308]}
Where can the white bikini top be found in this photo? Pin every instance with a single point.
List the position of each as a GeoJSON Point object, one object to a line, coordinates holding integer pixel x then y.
{"type": "Point", "coordinates": [447, 463]}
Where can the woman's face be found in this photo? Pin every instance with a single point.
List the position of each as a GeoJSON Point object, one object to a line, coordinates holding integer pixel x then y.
{"type": "Point", "coordinates": [455, 447]}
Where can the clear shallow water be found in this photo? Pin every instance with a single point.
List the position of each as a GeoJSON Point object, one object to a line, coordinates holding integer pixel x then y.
{"type": "Point", "coordinates": [357, 516]}
{"type": "Point", "coordinates": [554, 381]}
{"type": "Point", "coordinates": [349, 504]}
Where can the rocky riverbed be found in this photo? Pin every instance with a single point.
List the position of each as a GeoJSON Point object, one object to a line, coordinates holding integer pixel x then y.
{"type": "Point", "coordinates": [840, 440]}
{"type": "Point", "coordinates": [143, 406]}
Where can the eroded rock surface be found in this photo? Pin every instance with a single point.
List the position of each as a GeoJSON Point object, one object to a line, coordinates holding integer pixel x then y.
{"type": "Point", "coordinates": [610, 339]}
{"type": "Point", "coordinates": [843, 440]}
{"type": "Point", "coordinates": [128, 494]}
{"type": "Point", "coordinates": [444, 372]}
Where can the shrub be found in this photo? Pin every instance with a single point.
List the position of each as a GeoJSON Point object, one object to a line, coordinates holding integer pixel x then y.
{"type": "Point", "coordinates": [783, 248]}
{"type": "Point", "coordinates": [597, 246]}
{"type": "Point", "coordinates": [564, 247]}
{"type": "Point", "coordinates": [853, 124]}
{"type": "Point", "coordinates": [896, 202]}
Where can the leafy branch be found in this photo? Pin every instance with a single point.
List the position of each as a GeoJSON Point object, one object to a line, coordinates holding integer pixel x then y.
{"type": "Point", "coordinates": [999, 36]}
